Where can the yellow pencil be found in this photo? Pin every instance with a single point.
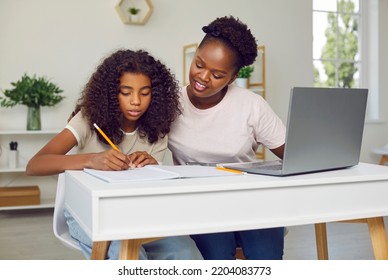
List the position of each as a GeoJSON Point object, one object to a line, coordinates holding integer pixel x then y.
{"type": "Point", "coordinates": [230, 170]}
{"type": "Point", "coordinates": [106, 138]}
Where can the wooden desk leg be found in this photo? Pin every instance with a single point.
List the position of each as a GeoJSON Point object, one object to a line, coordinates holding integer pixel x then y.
{"type": "Point", "coordinates": [383, 159]}
{"type": "Point", "coordinates": [321, 240]}
{"type": "Point", "coordinates": [379, 238]}
{"type": "Point", "coordinates": [99, 250]}
{"type": "Point", "coordinates": [130, 249]}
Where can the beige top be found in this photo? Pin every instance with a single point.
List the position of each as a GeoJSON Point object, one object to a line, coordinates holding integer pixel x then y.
{"type": "Point", "coordinates": [88, 141]}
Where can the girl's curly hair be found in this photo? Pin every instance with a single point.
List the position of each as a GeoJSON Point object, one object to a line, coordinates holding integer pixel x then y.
{"type": "Point", "coordinates": [99, 99]}
{"type": "Point", "coordinates": [234, 35]}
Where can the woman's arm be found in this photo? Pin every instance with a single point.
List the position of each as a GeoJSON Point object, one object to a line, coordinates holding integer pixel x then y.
{"type": "Point", "coordinates": [279, 151]}
{"type": "Point", "coordinates": [52, 158]}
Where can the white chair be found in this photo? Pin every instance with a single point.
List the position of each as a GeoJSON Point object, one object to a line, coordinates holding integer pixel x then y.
{"type": "Point", "coordinates": [60, 228]}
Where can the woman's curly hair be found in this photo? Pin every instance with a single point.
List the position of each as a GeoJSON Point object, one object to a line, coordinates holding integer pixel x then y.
{"type": "Point", "coordinates": [234, 35]}
{"type": "Point", "coordinates": [99, 99]}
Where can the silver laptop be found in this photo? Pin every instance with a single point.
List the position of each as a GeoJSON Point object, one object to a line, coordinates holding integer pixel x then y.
{"type": "Point", "coordinates": [324, 132]}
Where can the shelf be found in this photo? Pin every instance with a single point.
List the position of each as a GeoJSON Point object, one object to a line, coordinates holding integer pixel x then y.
{"type": "Point", "coordinates": [29, 132]}
{"type": "Point", "coordinates": [256, 89]}
{"type": "Point", "coordinates": [146, 8]}
{"type": "Point", "coordinates": [30, 141]}
{"type": "Point", "coordinates": [4, 169]}
{"type": "Point", "coordinates": [45, 203]}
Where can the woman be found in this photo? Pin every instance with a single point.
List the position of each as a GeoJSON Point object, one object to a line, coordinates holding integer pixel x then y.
{"type": "Point", "coordinates": [223, 123]}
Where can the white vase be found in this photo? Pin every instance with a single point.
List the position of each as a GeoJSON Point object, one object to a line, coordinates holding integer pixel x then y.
{"type": "Point", "coordinates": [242, 82]}
{"type": "Point", "coordinates": [13, 158]}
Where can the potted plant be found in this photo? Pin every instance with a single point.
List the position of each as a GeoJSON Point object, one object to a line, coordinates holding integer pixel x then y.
{"type": "Point", "coordinates": [32, 92]}
{"type": "Point", "coordinates": [134, 12]}
{"type": "Point", "coordinates": [243, 75]}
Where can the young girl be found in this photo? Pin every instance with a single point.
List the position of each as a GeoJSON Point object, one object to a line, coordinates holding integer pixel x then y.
{"type": "Point", "coordinates": [223, 123]}
{"type": "Point", "coordinates": [133, 98]}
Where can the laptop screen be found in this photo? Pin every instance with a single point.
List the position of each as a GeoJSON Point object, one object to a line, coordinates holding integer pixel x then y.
{"type": "Point", "coordinates": [324, 128]}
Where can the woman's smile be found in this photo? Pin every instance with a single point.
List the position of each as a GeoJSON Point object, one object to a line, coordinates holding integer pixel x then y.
{"type": "Point", "coordinates": [199, 87]}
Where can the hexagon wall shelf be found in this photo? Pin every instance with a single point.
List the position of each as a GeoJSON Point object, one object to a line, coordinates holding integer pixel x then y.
{"type": "Point", "coordinates": [145, 6]}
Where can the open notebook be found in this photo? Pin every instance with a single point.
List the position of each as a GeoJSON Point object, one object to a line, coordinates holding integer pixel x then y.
{"type": "Point", "coordinates": [158, 172]}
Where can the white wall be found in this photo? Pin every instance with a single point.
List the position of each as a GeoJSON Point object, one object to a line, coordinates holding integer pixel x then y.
{"type": "Point", "coordinates": [65, 40]}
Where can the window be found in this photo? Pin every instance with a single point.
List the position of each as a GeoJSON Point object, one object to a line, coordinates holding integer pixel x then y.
{"type": "Point", "coordinates": [345, 46]}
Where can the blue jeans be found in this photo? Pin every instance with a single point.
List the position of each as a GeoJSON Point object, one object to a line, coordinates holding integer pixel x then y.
{"type": "Point", "coordinates": [169, 248]}
{"type": "Point", "coordinates": [259, 244]}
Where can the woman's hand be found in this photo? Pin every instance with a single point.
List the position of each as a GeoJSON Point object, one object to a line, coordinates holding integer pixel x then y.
{"type": "Point", "coordinates": [140, 159]}
{"type": "Point", "coordinates": [109, 160]}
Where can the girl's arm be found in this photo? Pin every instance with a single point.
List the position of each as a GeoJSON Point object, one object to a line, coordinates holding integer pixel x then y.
{"type": "Point", "coordinates": [52, 158]}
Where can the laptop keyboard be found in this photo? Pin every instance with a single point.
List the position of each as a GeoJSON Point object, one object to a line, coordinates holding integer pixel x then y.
{"type": "Point", "coordinates": [273, 165]}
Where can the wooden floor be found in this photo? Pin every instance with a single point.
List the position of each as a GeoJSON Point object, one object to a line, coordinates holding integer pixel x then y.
{"type": "Point", "coordinates": [26, 235]}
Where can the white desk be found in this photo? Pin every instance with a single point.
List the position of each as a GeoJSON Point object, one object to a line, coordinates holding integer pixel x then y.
{"type": "Point", "coordinates": [108, 211]}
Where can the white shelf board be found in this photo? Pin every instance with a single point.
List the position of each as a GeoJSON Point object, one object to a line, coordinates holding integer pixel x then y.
{"type": "Point", "coordinates": [256, 89]}
{"type": "Point", "coordinates": [4, 169]}
{"type": "Point", "coordinates": [28, 132]}
{"type": "Point", "coordinates": [44, 203]}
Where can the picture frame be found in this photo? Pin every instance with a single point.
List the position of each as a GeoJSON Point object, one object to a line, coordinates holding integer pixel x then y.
{"type": "Point", "coordinates": [188, 55]}
{"type": "Point", "coordinates": [256, 82]}
{"type": "Point", "coordinates": [260, 153]}
{"type": "Point", "coordinates": [257, 78]}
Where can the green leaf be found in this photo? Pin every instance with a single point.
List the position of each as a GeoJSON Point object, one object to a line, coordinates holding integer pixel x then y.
{"type": "Point", "coordinates": [245, 72]}
{"type": "Point", "coordinates": [133, 10]}
{"type": "Point", "coordinates": [32, 92]}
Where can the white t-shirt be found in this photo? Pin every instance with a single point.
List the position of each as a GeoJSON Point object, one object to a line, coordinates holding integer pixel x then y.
{"type": "Point", "coordinates": [231, 131]}
{"type": "Point", "coordinates": [88, 141]}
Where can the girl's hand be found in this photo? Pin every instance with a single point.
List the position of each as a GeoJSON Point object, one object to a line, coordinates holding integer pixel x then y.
{"type": "Point", "coordinates": [140, 159]}
{"type": "Point", "coordinates": [109, 160]}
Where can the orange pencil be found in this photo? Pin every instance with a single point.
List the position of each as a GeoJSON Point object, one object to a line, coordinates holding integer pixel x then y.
{"type": "Point", "coordinates": [106, 138]}
{"type": "Point", "coordinates": [230, 170]}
